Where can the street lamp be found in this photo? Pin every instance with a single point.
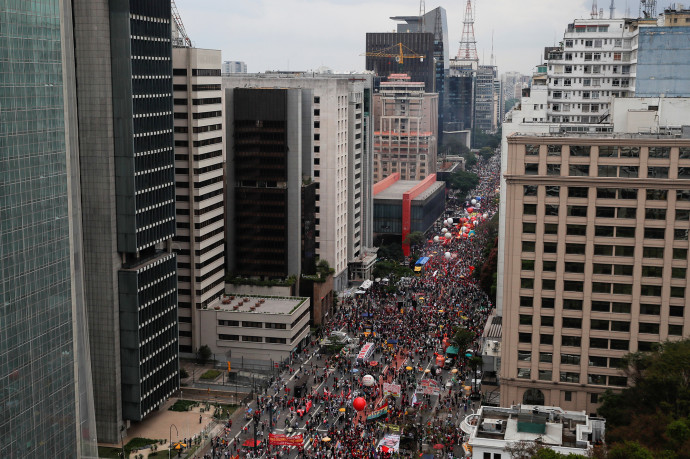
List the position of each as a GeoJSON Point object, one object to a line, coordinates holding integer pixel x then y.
{"type": "Point", "coordinates": [170, 437]}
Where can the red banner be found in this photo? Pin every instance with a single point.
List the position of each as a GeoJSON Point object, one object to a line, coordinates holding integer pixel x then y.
{"type": "Point", "coordinates": [284, 440]}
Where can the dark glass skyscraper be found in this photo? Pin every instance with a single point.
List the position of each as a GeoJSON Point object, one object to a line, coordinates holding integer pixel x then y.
{"type": "Point", "coordinates": [45, 391]}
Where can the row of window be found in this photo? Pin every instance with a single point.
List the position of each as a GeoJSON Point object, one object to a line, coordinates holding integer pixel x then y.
{"type": "Point", "coordinates": [607, 193]}
{"type": "Point", "coordinates": [572, 377]}
{"type": "Point", "coordinates": [605, 269]}
{"type": "Point", "coordinates": [236, 323]}
{"type": "Point", "coordinates": [571, 359]}
{"type": "Point", "coordinates": [607, 151]}
{"type": "Point", "coordinates": [583, 170]}
{"type": "Point", "coordinates": [602, 287]}
{"type": "Point", "coordinates": [253, 339]}
{"type": "Point", "coordinates": [601, 324]}
{"type": "Point", "coordinates": [615, 307]}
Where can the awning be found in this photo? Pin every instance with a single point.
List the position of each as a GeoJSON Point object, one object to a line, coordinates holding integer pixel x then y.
{"type": "Point", "coordinates": [452, 350]}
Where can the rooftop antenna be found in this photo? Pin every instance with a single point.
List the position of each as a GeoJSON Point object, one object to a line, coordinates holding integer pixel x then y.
{"type": "Point", "coordinates": [492, 48]}
{"type": "Point", "coordinates": [422, 13]}
{"type": "Point", "coordinates": [601, 13]}
{"type": "Point", "coordinates": [627, 9]}
{"type": "Point", "coordinates": [180, 38]}
{"type": "Point", "coordinates": [647, 9]}
{"type": "Point", "coordinates": [612, 9]}
{"type": "Point", "coordinates": [595, 11]}
{"type": "Point", "coordinates": [468, 44]}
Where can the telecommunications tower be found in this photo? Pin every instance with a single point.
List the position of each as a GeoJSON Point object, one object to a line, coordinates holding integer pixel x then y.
{"type": "Point", "coordinates": [468, 44]}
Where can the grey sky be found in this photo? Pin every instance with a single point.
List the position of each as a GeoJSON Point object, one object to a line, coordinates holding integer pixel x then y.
{"type": "Point", "coordinates": [306, 34]}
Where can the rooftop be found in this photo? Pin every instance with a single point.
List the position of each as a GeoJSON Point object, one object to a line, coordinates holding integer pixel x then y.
{"type": "Point", "coordinates": [547, 424]}
{"type": "Point", "coordinates": [397, 189]}
{"type": "Point", "coordinates": [257, 304]}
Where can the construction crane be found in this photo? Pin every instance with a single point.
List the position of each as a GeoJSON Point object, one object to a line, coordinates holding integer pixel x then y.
{"type": "Point", "coordinates": [398, 51]}
{"type": "Point", "coordinates": [181, 39]}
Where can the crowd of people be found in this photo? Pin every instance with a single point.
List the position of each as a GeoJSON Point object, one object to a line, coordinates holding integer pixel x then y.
{"type": "Point", "coordinates": [410, 326]}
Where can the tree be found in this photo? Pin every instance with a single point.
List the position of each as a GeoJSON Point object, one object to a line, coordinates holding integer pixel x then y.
{"type": "Point", "coordinates": [535, 450]}
{"type": "Point", "coordinates": [629, 450]}
{"type": "Point", "coordinates": [415, 238]}
{"type": "Point", "coordinates": [204, 353]}
{"type": "Point", "coordinates": [486, 152]}
{"type": "Point", "coordinates": [462, 339]}
{"type": "Point", "coordinates": [655, 408]}
{"type": "Point", "coordinates": [463, 182]}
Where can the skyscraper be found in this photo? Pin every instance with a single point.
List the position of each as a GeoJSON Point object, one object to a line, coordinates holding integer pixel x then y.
{"type": "Point", "coordinates": [45, 382]}
{"type": "Point", "coordinates": [125, 103]}
{"type": "Point", "coordinates": [199, 164]}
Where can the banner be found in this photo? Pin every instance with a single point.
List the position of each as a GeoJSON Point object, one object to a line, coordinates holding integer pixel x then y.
{"type": "Point", "coordinates": [378, 412]}
{"type": "Point", "coordinates": [428, 387]}
{"type": "Point", "coordinates": [284, 440]}
{"type": "Point", "coordinates": [389, 444]}
{"type": "Point", "coordinates": [391, 389]}
{"type": "Point", "coordinates": [365, 352]}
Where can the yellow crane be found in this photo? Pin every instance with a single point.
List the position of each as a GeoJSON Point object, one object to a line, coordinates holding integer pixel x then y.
{"type": "Point", "coordinates": [397, 51]}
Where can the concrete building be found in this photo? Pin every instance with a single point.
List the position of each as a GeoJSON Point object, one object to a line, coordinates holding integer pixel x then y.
{"type": "Point", "coordinates": [255, 330]}
{"type": "Point", "coordinates": [233, 67]}
{"type": "Point", "coordinates": [125, 105]}
{"type": "Point", "coordinates": [199, 163]}
{"type": "Point", "coordinates": [338, 165]}
{"type": "Point", "coordinates": [596, 262]}
{"type": "Point", "coordinates": [406, 123]}
{"type": "Point", "coordinates": [459, 103]}
{"type": "Point", "coordinates": [566, 432]}
{"type": "Point", "coordinates": [402, 207]}
{"type": "Point", "coordinates": [46, 395]}
{"type": "Point", "coordinates": [487, 101]}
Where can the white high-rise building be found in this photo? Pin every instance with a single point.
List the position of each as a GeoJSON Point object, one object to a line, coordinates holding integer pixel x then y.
{"type": "Point", "coordinates": [234, 67]}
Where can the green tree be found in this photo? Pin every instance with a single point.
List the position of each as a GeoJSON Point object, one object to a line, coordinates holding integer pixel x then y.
{"type": "Point", "coordinates": [629, 450]}
{"type": "Point", "coordinates": [462, 339]}
{"type": "Point", "coordinates": [486, 152]}
{"type": "Point", "coordinates": [204, 353]}
{"type": "Point", "coordinates": [462, 181]}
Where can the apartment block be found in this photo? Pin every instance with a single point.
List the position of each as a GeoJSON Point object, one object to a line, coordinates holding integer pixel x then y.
{"type": "Point", "coordinates": [596, 259]}
{"type": "Point", "coordinates": [199, 173]}
{"type": "Point", "coordinates": [406, 122]}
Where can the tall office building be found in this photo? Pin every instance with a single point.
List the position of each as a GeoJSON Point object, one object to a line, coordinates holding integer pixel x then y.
{"type": "Point", "coordinates": [45, 381]}
{"type": "Point", "coordinates": [459, 95]}
{"type": "Point", "coordinates": [199, 164]}
{"type": "Point", "coordinates": [406, 122]}
{"type": "Point", "coordinates": [596, 262]}
{"type": "Point", "coordinates": [125, 104]}
{"type": "Point", "coordinates": [332, 157]}
{"type": "Point", "coordinates": [266, 145]}
{"type": "Point", "coordinates": [486, 101]}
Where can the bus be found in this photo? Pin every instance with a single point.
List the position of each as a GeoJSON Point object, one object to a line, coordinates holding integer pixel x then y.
{"type": "Point", "coordinates": [420, 265]}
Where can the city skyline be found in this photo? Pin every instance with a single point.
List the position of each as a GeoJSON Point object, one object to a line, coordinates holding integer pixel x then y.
{"type": "Point", "coordinates": [291, 45]}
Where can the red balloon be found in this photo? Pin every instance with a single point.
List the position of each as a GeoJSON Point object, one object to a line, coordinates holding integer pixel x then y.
{"type": "Point", "coordinates": [359, 403]}
{"type": "Point", "coordinates": [470, 209]}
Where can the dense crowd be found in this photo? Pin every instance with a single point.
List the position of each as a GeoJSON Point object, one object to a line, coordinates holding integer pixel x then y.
{"type": "Point", "coordinates": [410, 327]}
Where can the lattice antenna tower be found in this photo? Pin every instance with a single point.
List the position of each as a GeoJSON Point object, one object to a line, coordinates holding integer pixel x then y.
{"type": "Point", "coordinates": [181, 39]}
{"type": "Point", "coordinates": [468, 44]}
{"type": "Point", "coordinates": [647, 8]}
{"type": "Point", "coordinates": [612, 9]}
{"type": "Point", "coordinates": [595, 11]}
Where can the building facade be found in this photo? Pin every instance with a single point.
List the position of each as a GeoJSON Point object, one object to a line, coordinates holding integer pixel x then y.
{"type": "Point", "coordinates": [487, 99]}
{"type": "Point", "coordinates": [459, 94]}
{"type": "Point", "coordinates": [45, 371]}
{"type": "Point", "coordinates": [199, 173]}
{"type": "Point", "coordinates": [413, 43]}
{"type": "Point", "coordinates": [595, 263]}
{"type": "Point", "coordinates": [406, 122]}
{"type": "Point", "coordinates": [329, 157]}
{"type": "Point", "coordinates": [234, 67]}
{"type": "Point", "coordinates": [128, 206]}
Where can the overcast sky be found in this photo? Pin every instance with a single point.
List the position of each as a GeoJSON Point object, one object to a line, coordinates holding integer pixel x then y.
{"type": "Point", "coordinates": [307, 34]}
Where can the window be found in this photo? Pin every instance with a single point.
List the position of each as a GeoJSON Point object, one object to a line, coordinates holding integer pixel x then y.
{"type": "Point", "coordinates": [579, 150]}
{"type": "Point", "coordinates": [531, 150]}
{"type": "Point", "coordinates": [604, 250]}
{"type": "Point", "coordinates": [622, 270]}
{"type": "Point", "coordinates": [682, 214]}
{"type": "Point", "coordinates": [657, 172]}
{"type": "Point", "coordinates": [553, 150]}
{"type": "Point", "coordinates": [524, 337]}
{"type": "Point", "coordinates": [678, 273]}
{"type": "Point", "coordinates": [525, 356]}
{"type": "Point", "coordinates": [529, 190]}
{"type": "Point", "coordinates": [577, 192]}
{"type": "Point", "coordinates": [572, 322]}
{"type": "Point", "coordinates": [531, 169]}
{"type": "Point", "coordinates": [596, 379]}
{"type": "Point", "coordinates": [548, 303]}
{"type": "Point", "coordinates": [525, 319]}
{"type": "Point", "coordinates": [655, 214]}
{"type": "Point", "coordinates": [677, 292]}
{"type": "Point", "coordinates": [526, 301]}
{"type": "Point", "coordinates": [684, 173]}
{"type": "Point", "coordinates": [528, 265]}
{"type": "Point", "coordinates": [545, 375]}
{"type": "Point", "coordinates": [545, 357]}
{"type": "Point", "coordinates": [659, 152]}
{"type": "Point", "coordinates": [572, 267]}
{"type": "Point", "coordinates": [570, 377]}
{"type": "Point", "coordinates": [572, 304]}
{"type": "Point", "coordinates": [548, 284]}
{"type": "Point", "coordinates": [657, 195]}
{"type": "Point", "coordinates": [678, 254]}
{"type": "Point", "coordinates": [652, 271]}
{"type": "Point", "coordinates": [599, 343]}
{"type": "Point", "coordinates": [570, 359]}
{"type": "Point", "coordinates": [252, 339]}
{"type": "Point", "coordinates": [675, 330]}
{"type": "Point", "coordinates": [654, 233]}
{"type": "Point", "coordinates": [625, 251]}
{"type": "Point", "coordinates": [529, 209]}
{"type": "Point", "coordinates": [550, 247]}
{"type": "Point", "coordinates": [550, 228]}
{"type": "Point", "coordinates": [578, 170]}
{"type": "Point", "coordinates": [650, 290]}
{"type": "Point", "coordinates": [568, 395]}
{"type": "Point", "coordinates": [604, 231]}
{"type": "Point", "coordinates": [630, 152]}
{"type": "Point", "coordinates": [546, 339]}
{"type": "Point", "coordinates": [575, 230]}
{"type": "Point", "coordinates": [548, 265]}
{"type": "Point", "coordinates": [553, 169]}
{"type": "Point", "coordinates": [553, 191]}
{"type": "Point", "coordinates": [605, 212]}
{"type": "Point", "coordinates": [676, 311]}
{"type": "Point", "coordinates": [524, 373]}
{"type": "Point", "coordinates": [684, 153]}
{"type": "Point", "coordinates": [528, 246]}
{"type": "Point", "coordinates": [551, 209]}
{"type": "Point", "coordinates": [620, 326]}
{"type": "Point", "coordinates": [547, 321]}
{"type": "Point", "coordinates": [529, 228]}
{"type": "Point", "coordinates": [578, 249]}
{"type": "Point", "coordinates": [620, 381]}
{"type": "Point", "coordinates": [626, 212]}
